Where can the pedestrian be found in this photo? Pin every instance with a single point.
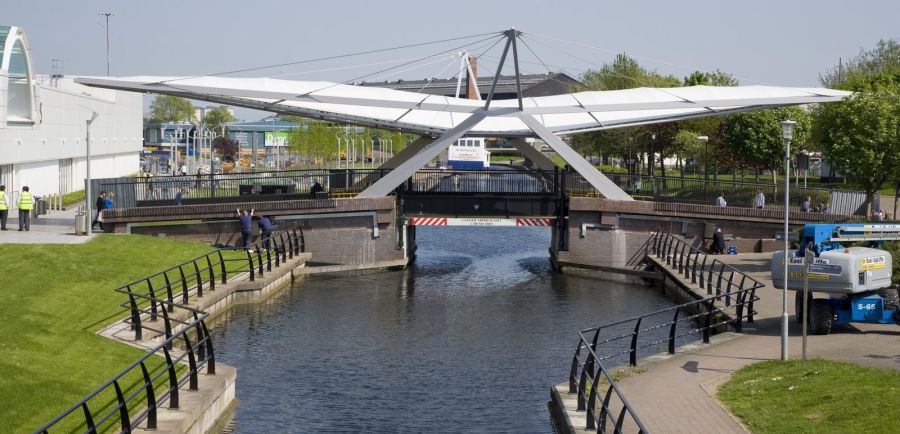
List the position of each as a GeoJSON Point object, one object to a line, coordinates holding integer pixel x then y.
{"type": "Point", "coordinates": [720, 201]}
{"type": "Point", "coordinates": [108, 203]}
{"type": "Point", "coordinates": [824, 208]}
{"type": "Point", "coordinates": [26, 203]}
{"type": "Point", "coordinates": [316, 188]}
{"type": "Point", "coordinates": [246, 219]}
{"type": "Point", "coordinates": [184, 169]}
{"type": "Point", "coordinates": [760, 200]}
{"type": "Point", "coordinates": [151, 191]}
{"type": "Point", "coordinates": [265, 230]}
{"type": "Point", "coordinates": [718, 242]}
{"type": "Point", "coordinates": [806, 206]}
{"type": "Point", "coordinates": [179, 196]}
{"type": "Point", "coordinates": [4, 208]}
{"type": "Point", "coordinates": [99, 206]}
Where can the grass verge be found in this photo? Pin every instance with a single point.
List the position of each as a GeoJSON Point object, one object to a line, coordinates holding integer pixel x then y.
{"type": "Point", "coordinates": [54, 299]}
{"type": "Point", "coordinates": [818, 396]}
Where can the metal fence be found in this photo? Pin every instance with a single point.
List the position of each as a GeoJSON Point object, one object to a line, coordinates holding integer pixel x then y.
{"type": "Point", "coordinates": [151, 382]}
{"type": "Point", "coordinates": [736, 193]}
{"type": "Point", "coordinates": [732, 295]}
{"type": "Point", "coordinates": [296, 184]}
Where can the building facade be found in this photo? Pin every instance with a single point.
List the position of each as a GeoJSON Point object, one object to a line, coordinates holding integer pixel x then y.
{"type": "Point", "coordinates": [43, 126]}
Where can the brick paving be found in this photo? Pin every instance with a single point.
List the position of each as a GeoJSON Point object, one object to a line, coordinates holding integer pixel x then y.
{"type": "Point", "coordinates": [56, 227]}
{"type": "Point", "coordinates": [676, 395]}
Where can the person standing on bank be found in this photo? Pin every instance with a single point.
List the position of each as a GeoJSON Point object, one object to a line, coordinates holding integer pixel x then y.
{"type": "Point", "coordinates": [760, 200]}
{"type": "Point", "coordinates": [720, 201]}
{"type": "Point", "coordinates": [4, 208]}
{"type": "Point", "coordinates": [265, 231]}
{"type": "Point", "coordinates": [99, 206]}
{"type": "Point", "coordinates": [718, 242]}
{"type": "Point", "coordinates": [246, 226]}
{"type": "Point", "coordinates": [26, 203]}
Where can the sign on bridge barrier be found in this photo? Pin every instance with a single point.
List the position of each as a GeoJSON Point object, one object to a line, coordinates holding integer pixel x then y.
{"type": "Point", "coordinates": [478, 221]}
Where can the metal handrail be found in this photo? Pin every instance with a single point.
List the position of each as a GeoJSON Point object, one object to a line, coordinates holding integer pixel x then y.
{"type": "Point", "coordinates": [731, 294]}
{"type": "Point", "coordinates": [213, 268]}
{"type": "Point", "coordinates": [199, 354]}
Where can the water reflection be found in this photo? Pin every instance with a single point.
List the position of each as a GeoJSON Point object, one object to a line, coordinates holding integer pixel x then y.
{"type": "Point", "coordinates": [469, 339]}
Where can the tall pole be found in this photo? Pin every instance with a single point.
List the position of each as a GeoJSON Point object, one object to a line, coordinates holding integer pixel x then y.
{"type": "Point", "coordinates": [87, 188]}
{"type": "Point", "coordinates": [787, 128]}
{"type": "Point", "coordinates": [107, 15]}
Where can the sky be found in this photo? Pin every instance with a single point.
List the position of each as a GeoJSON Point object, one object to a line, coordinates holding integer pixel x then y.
{"type": "Point", "coordinates": [786, 43]}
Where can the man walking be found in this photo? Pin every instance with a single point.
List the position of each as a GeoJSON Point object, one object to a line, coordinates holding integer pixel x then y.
{"type": "Point", "coordinates": [760, 200]}
{"type": "Point", "coordinates": [720, 201]}
{"type": "Point", "coordinates": [26, 203]}
{"type": "Point", "coordinates": [4, 208]}
{"type": "Point", "coordinates": [99, 206]}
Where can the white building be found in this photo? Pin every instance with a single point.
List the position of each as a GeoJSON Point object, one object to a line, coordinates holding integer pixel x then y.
{"type": "Point", "coordinates": [43, 126]}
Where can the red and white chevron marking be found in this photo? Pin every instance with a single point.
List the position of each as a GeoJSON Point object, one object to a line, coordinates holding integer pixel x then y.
{"type": "Point", "coordinates": [428, 221]}
{"type": "Point", "coordinates": [534, 222]}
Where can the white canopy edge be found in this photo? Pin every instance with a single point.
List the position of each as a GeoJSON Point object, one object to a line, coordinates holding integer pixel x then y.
{"type": "Point", "coordinates": [433, 114]}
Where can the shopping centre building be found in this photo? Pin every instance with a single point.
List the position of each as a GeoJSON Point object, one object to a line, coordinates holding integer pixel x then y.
{"type": "Point", "coordinates": [43, 125]}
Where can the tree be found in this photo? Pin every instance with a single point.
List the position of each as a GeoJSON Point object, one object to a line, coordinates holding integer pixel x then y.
{"type": "Point", "coordinates": [226, 147]}
{"type": "Point", "coordinates": [860, 136]}
{"type": "Point", "coordinates": [624, 73]}
{"type": "Point", "coordinates": [218, 117]}
{"type": "Point", "coordinates": [166, 108]}
{"type": "Point", "coordinates": [714, 78]}
{"type": "Point", "coordinates": [756, 136]}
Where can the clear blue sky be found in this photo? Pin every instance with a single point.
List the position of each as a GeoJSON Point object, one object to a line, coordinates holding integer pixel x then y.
{"type": "Point", "coordinates": [760, 41]}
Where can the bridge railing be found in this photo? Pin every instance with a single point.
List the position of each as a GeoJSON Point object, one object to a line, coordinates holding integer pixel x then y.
{"type": "Point", "coordinates": [230, 187]}
{"type": "Point", "coordinates": [737, 193]}
{"type": "Point", "coordinates": [190, 279]}
{"type": "Point", "coordinates": [509, 182]}
{"type": "Point", "coordinates": [135, 394]}
{"type": "Point", "coordinates": [730, 302]}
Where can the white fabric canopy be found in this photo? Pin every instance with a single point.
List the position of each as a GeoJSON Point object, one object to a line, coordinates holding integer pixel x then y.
{"type": "Point", "coordinates": [434, 114]}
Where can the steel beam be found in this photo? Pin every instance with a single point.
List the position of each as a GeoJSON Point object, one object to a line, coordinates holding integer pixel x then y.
{"type": "Point", "coordinates": [405, 170]}
{"type": "Point", "coordinates": [532, 154]}
{"type": "Point", "coordinates": [606, 187]}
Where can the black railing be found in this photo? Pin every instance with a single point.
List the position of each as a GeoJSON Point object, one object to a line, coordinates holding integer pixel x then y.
{"type": "Point", "coordinates": [732, 295]}
{"type": "Point", "coordinates": [740, 194]}
{"type": "Point", "coordinates": [194, 276]}
{"type": "Point", "coordinates": [508, 182]}
{"type": "Point", "coordinates": [148, 384]}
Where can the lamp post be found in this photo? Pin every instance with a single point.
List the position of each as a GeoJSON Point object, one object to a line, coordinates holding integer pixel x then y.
{"type": "Point", "coordinates": [107, 15]}
{"type": "Point", "coordinates": [787, 133]}
{"type": "Point", "coordinates": [705, 140]}
{"type": "Point", "coordinates": [631, 155]}
{"type": "Point", "coordinates": [87, 188]}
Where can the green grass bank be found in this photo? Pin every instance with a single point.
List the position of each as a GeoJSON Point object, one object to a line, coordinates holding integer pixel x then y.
{"type": "Point", "coordinates": [53, 301]}
{"type": "Point", "coordinates": [816, 396]}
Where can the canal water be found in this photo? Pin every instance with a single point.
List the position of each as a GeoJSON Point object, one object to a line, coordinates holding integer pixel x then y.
{"type": "Point", "coordinates": [468, 339]}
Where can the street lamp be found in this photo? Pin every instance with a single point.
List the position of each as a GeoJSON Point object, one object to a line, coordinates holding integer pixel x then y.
{"type": "Point", "coordinates": [107, 15]}
{"type": "Point", "coordinates": [787, 133]}
{"type": "Point", "coordinates": [87, 188]}
{"type": "Point", "coordinates": [705, 140]}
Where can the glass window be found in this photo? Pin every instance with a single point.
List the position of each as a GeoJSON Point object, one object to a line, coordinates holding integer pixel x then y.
{"type": "Point", "coordinates": [19, 92]}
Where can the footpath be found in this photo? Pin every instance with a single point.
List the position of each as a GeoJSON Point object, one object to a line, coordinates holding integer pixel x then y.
{"type": "Point", "coordinates": [677, 395]}
{"type": "Point", "coordinates": [55, 227]}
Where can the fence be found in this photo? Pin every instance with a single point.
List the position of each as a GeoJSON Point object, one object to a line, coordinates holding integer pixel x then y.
{"type": "Point", "coordinates": [149, 383]}
{"type": "Point", "coordinates": [732, 294]}
{"type": "Point", "coordinates": [737, 193]}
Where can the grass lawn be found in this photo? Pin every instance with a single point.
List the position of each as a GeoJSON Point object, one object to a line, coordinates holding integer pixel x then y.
{"type": "Point", "coordinates": [53, 300]}
{"type": "Point", "coordinates": [818, 396]}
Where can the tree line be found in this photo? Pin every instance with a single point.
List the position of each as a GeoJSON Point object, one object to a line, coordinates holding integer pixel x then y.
{"type": "Point", "coordinates": [859, 137]}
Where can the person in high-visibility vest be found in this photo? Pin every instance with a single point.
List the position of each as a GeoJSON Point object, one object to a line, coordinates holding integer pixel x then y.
{"type": "Point", "coordinates": [26, 203]}
{"type": "Point", "coordinates": [4, 208]}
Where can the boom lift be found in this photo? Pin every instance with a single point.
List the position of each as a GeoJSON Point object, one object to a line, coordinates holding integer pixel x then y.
{"type": "Point", "coordinates": [857, 280]}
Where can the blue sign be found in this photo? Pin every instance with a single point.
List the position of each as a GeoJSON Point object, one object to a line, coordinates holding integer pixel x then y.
{"type": "Point", "coordinates": [731, 250]}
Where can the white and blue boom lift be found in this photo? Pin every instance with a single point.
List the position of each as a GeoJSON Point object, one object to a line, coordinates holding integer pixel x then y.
{"type": "Point", "coordinates": [857, 280]}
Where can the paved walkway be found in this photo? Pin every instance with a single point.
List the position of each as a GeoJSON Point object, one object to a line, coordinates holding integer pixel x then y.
{"type": "Point", "coordinates": [56, 227]}
{"type": "Point", "coordinates": [677, 395]}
